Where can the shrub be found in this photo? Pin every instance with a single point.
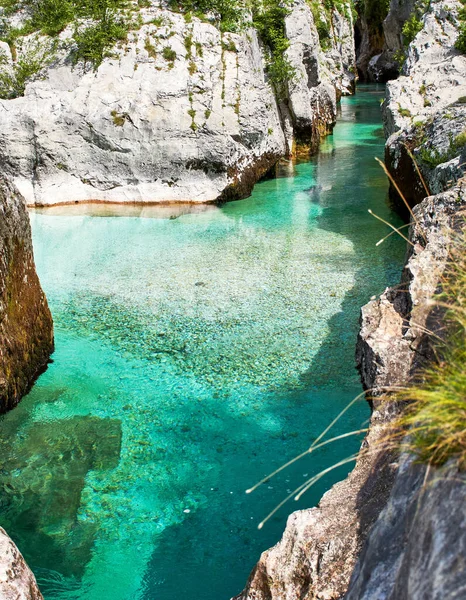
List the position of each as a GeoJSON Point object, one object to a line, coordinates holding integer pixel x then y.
{"type": "Point", "coordinates": [93, 42]}
{"type": "Point", "coordinates": [437, 408]}
{"type": "Point", "coordinates": [411, 28]}
{"type": "Point", "coordinates": [461, 39]}
{"type": "Point", "coordinates": [169, 54]}
{"type": "Point", "coordinates": [30, 61]}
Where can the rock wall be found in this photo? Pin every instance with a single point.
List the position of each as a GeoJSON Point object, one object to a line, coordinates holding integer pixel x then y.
{"type": "Point", "coordinates": [425, 109]}
{"type": "Point", "coordinates": [16, 579]}
{"type": "Point", "coordinates": [379, 43]}
{"type": "Point", "coordinates": [204, 126]}
{"type": "Point", "coordinates": [26, 330]}
{"type": "Point", "coordinates": [394, 529]}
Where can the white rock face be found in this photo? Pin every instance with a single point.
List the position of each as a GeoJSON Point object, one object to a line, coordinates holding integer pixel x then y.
{"type": "Point", "coordinates": [434, 75]}
{"type": "Point", "coordinates": [202, 127]}
{"type": "Point", "coordinates": [16, 579]}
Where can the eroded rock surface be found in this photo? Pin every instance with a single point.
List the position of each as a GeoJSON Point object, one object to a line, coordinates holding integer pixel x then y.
{"type": "Point", "coordinates": [16, 579]}
{"type": "Point", "coordinates": [26, 330]}
{"type": "Point", "coordinates": [203, 126]}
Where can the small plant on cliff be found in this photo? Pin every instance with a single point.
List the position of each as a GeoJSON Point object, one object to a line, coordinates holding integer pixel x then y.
{"type": "Point", "coordinates": [436, 414]}
{"type": "Point", "coordinates": [270, 23]}
{"type": "Point", "coordinates": [30, 60]}
{"type": "Point", "coordinates": [461, 40]}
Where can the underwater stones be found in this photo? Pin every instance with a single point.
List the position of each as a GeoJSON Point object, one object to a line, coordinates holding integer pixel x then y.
{"type": "Point", "coordinates": [26, 329]}
{"type": "Point", "coordinates": [45, 476]}
{"type": "Point", "coordinates": [17, 581]}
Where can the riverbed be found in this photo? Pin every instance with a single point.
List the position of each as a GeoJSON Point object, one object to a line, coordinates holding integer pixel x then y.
{"type": "Point", "coordinates": [196, 351]}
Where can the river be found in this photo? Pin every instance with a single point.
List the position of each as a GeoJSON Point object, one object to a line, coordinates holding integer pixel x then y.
{"type": "Point", "coordinates": [196, 351]}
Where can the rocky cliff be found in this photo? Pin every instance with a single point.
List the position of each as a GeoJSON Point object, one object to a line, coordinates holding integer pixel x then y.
{"type": "Point", "coordinates": [380, 42]}
{"type": "Point", "coordinates": [395, 529]}
{"type": "Point", "coordinates": [178, 112]}
{"type": "Point", "coordinates": [26, 331]}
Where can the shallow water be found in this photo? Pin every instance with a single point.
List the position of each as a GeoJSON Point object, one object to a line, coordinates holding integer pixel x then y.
{"type": "Point", "coordinates": [195, 352]}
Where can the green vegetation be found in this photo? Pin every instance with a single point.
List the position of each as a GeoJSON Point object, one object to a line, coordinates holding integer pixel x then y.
{"type": "Point", "coordinates": [118, 119]}
{"type": "Point", "coordinates": [434, 157]}
{"type": "Point", "coordinates": [374, 11]}
{"type": "Point", "coordinates": [32, 59]}
{"type": "Point", "coordinates": [411, 28]}
{"type": "Point", "coordinates": [436, 414]}
{"type": "Point", "coordinates": [404, 112]}
{"type": "Point", "coordinates": [461, 40]}
{"type": "Point", "coordinates": [270, 23]}
{"type": "Point", "coordinates": [98, 25]}
{"type": "Point", "coordinates": [169, 54]}
{"type": "Point", "coordinates": [229, 15]}
{"type": "Point", "coordinates": [110, 23]}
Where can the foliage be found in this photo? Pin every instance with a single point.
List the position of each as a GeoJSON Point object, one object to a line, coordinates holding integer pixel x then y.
{"type": "Point", "coordinates": [31, 61]}
{"type": "Point", "coordinates": [270, 23]}
{"type": "Point", "coordinates": [322, 22]}
{"type": "Point", "coordinates": [93, 42]}
{"type": "Point", "coordinates": [434, 157]}
{"type": "Point", "coordinates": [50, 17]}
{"type": "Point", "coordinates": [375, 12]}
{"type": "Point", "coordinates": [411, 28]}
{"type": "Point", "coordinates": [436, 414]}
{"type": "Point", "coordinates": [229, 14]}
{"type": "Point", "coordinates": [461, 40]}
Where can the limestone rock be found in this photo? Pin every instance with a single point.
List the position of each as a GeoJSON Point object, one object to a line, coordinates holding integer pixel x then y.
{"type": "Point", "coordinates": [204, 126]}
{"type": "Point", "coordinates": [26, 330]}
{"type": "Point", "coordinates": [16, 579]}
{"type": "Point", "coordinates": [318, 551]}
{"type": "Point", "coordinates": [423, 90]}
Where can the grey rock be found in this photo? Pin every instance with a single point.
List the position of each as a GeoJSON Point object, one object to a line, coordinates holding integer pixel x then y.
{"type": "Point", "coordinates": [417, 548]}
{"type": "Point", "coordinates": [320, 546]}
{"type": "Point", "coordinates": [200, 128]}
{"type": "Point", "coordinates": [16, 579]}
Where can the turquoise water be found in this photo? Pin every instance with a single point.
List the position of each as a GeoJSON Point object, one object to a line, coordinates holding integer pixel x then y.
{"type": "Point", "coordinates": [195, 352]}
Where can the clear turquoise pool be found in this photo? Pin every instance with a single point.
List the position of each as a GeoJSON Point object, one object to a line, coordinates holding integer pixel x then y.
{"type": "Point", "coordinates": [194, 354]}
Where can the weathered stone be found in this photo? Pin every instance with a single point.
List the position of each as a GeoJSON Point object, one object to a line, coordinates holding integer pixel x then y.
{"type": "Point", "coordinates": [16, 579]}
{"type": "Point", "coordinates": [26, 330]}
{"type": "Point", "coordinates": [203, 127]}
{"type": "Point", "coordinates": [320, 546]}
{"type": "Point", "coordinates": [417, 548]}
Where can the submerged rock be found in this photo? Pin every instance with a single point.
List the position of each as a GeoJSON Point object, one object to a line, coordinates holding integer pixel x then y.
{"type": "Point", "coordinates": [26, 330]}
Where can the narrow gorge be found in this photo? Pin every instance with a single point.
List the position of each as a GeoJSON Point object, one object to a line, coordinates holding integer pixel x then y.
{"type": "Point", "coordinates": [200, 343]}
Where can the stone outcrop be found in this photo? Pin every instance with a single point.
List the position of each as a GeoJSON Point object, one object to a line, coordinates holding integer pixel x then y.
{"type": "Point", "coordinates": [180, 112]}
{"type": "Point", "coordinates": [16, 579]}
{"type": "Point", "coordinates": [394, 529]}
{"type": "Point", "coordinates": [320, 546]}
{"type": "Point", "coordinates": [425, 110]}
{"type": "Point", "coordinates": [26, 330]}
{"type": "Point", "coordinates": [380, 45]}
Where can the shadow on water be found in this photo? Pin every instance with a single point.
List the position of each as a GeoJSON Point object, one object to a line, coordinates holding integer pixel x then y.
{"type": "Point", "coordinates": [358, 184]}
{"type": "Point", "coordinates": [43, 473]}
